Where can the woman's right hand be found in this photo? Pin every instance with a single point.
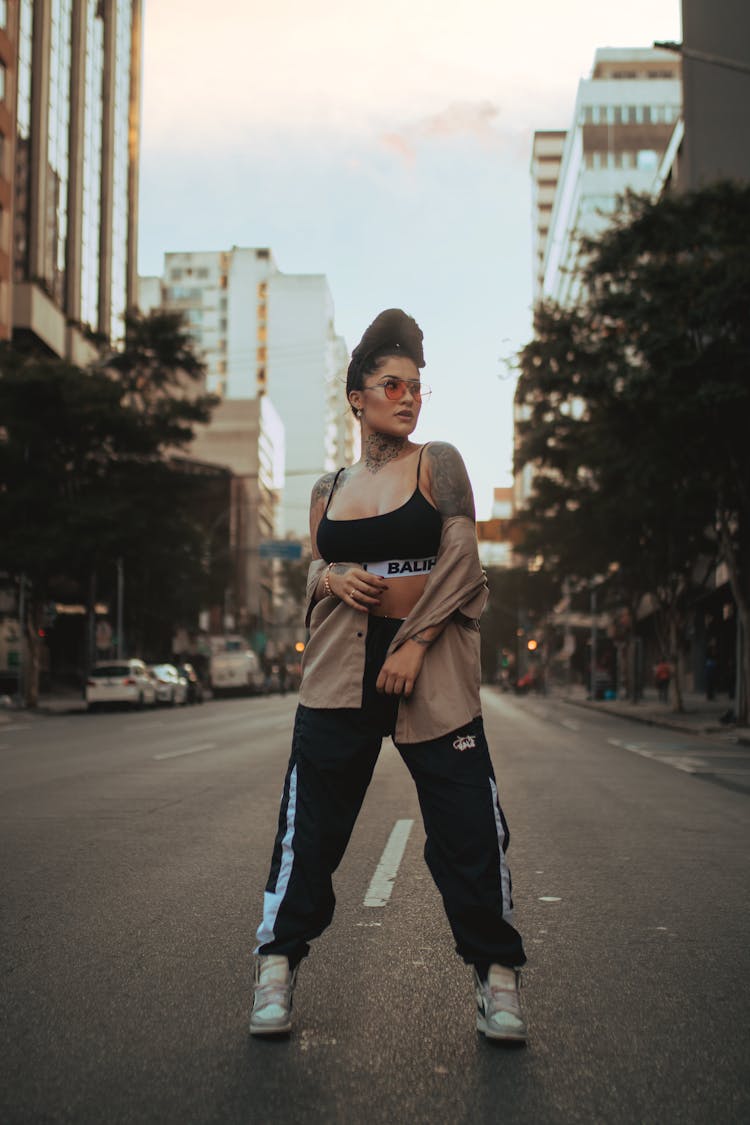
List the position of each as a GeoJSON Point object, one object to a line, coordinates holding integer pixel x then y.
{"type": "Point", "coordinates": [356, 587]}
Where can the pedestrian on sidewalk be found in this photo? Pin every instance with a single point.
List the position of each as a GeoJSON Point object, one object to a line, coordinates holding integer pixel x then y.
{"type": "Point", "coordinates": [662, 676]}
{"type": "Point", "coordinates": [395, 590]}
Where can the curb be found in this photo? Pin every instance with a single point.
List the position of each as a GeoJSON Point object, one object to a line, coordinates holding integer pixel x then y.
{"type": "Point", "coordinates": [651, 721]}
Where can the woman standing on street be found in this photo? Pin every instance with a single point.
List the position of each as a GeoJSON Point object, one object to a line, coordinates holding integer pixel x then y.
{"type": "Point", "coordinates": [395, 590]}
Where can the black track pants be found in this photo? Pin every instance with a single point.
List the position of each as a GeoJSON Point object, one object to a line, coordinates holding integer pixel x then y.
{"type": "Point", "coordinates": [333, 757]}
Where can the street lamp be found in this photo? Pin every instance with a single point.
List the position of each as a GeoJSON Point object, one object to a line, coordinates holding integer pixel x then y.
{"type": "Point", "coordinates": [702, 56]}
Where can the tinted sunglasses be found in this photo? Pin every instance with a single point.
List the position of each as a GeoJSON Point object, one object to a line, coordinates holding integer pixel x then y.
{"type": "Point", "coordinates": [395, 389]}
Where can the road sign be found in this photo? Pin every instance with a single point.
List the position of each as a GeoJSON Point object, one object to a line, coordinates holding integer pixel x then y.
{"type": "Point", "coordinates": [280, 549]}
{"type": "Point", "coordinates": [103, 634]}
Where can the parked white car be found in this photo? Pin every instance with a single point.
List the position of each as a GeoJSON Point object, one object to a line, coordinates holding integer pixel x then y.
{"type": "Point", "coordinates": [171, 687]}
{"type": "Point", "coordinates": [120, 681]}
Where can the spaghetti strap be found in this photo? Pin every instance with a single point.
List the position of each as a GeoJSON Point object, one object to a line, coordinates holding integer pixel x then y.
{"type": "Point", "coordinates": [419, 461]}
{"type": "Point", "coordinates": [333, 488]}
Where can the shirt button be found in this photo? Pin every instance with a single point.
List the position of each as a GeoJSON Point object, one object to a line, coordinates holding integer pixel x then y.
{"type": "Point", "coordinates": [360, 634]}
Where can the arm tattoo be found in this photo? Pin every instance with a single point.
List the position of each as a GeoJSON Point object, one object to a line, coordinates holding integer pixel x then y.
{"type": "Point", "coordinates": [449, 481]}
{"type": "Point", "coordinates": [321, 488]}
{"type": "Point", "coordinates": [318, 499]}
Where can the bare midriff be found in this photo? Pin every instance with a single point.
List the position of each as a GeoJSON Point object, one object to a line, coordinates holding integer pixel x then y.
{"type": "Point", "coordinates": [400, 597]}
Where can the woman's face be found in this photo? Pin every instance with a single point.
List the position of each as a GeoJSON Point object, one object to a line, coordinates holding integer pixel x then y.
{"type": "Point", "coordinates": [390, 415]}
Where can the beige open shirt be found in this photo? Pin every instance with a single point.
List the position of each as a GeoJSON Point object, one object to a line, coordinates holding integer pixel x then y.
{"type": "Point", "coordinates": [446, 694]}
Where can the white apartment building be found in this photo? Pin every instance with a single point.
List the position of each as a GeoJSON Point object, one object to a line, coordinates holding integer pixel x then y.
{"type": "Point", "coordinates": [625, 116]}
{"type": "Point", "coordinates": [261, 331]}
{"type": "Point", "coordinates": [626, 127]}
{"type": "Point", "coordinates": [546, 159]}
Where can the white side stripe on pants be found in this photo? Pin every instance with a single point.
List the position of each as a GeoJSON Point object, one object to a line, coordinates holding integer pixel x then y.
{"type": "Point", "coordinates": [502, 844]}
{"type": "Point", "coordinates": [272, 900]}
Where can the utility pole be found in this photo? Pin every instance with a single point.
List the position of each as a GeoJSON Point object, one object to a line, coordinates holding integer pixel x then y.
{"type": "Point", "coordinates": [21, 640]}
{"type": "Point", "coordinates": [567, 643]}
{"type": "Point", "coordinates": [120, 605]}
{"type": "Point", "coordinates": [593, 641]}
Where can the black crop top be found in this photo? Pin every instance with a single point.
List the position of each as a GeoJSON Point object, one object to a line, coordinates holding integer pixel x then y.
{"type": "Point", "coordinates": [411, 531]}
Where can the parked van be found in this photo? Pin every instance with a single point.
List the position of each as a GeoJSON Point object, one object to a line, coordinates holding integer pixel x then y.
{"type": "Point", "coordinates": [234, 667]}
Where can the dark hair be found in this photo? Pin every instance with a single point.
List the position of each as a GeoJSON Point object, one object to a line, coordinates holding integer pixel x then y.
{"type": "Point", "coordinates": [392, 333]}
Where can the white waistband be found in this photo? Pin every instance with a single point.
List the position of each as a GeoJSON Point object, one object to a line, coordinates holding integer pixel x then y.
{"type": "Point", "coordinates": [400, 568]}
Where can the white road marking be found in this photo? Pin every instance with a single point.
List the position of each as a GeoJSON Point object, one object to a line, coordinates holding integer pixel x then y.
{"type": "Point", "coordinates": [381, 884]}
{"type": "Point", "coordinates": [681, 762]}
{"type": "Point", "coordinates": [550, 898]}
{"type": "Point", "coordinates": [16, 726]}
{"type": "Point", "coordinates": [634, 746]}
{"type": "Point", "coordinates": [570, 724]}
{"type": "Point", "coordinates": [187, 750]}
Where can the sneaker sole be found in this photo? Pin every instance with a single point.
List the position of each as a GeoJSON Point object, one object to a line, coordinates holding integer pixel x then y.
{"type": "Point", "coordinates": [500, 1036]}
{"type": "Point", "coordinates": [282, 1029]}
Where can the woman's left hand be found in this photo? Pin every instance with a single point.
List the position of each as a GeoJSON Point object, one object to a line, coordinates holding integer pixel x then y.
{"type": "Point", "coordinates": [400, 670]}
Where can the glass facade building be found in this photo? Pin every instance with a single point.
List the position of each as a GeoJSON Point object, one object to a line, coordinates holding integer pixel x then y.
{"type": "Point", "coordinates": [8, 102]}
{"type": "Point", "coordinates": [120, 157]}
{"type": "Point", "coordinates": [23, 139]}
{"type": "Point", "coordinates": [58, 152]}
{"type": "Point", "coordinates": [76, 142]}
{"type": "Point", "coordinates": [92, 164]}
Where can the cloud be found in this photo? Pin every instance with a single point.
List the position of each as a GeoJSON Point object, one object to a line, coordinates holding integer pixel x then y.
{"type": "Point", "coordinates": [476, 120]}
{"type": "Point", "coordinates": [399, 144]}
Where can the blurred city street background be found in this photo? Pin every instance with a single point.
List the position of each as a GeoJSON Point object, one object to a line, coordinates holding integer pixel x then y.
{"type": "Point", "coordinates": [200, 211]}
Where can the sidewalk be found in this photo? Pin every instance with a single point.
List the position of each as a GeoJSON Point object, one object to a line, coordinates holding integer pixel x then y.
{"type": "Point", "coordinates": [701, 716]}
{"type": "Point", "coordinates": [54, 703]}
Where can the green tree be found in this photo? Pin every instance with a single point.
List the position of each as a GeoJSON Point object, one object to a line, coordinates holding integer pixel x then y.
{"type": "Point", "coordinates": [88, 476]}
{"type": "Point", "coordinates": [635, 405]}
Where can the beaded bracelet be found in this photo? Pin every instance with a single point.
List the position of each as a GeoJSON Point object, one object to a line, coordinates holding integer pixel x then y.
{"type": "Point", "coordinates": [326, 582]}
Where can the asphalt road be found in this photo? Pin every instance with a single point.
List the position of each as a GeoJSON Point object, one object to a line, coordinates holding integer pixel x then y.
{"type": "Point", "coordinates": [134, 852]}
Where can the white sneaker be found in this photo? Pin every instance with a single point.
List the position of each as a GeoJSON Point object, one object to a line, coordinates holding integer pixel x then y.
{"type": "Point", "coordinates": [272, 998]}
{"type": "Point", "coordinates": [499, 1013]}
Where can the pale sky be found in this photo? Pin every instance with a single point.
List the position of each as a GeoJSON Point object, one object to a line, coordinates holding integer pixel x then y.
{"type": "Point", "coordinates": [386, 146]}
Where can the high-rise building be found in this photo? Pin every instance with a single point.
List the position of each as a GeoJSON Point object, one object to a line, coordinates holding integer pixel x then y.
{"type": "Point", "coordinates": [261, 331]}
{"type": "Point", "coordinates": [8, 84]}
{"type": "Point", "coordinates": [246, 436]}
{"type": "Point", "coordinates": [546, 158]}
{"type": "Point", "coordinates": [626, 127]}
{"type": "Point", "coordinates": [75, 171]}
{"type": "Point", "coordinates": [624, 118]}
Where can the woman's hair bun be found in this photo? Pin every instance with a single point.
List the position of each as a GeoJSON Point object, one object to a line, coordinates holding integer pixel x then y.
{"type": "Point", "coordinates": [391, 328]}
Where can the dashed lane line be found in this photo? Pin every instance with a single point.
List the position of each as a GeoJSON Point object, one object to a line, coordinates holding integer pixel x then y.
{"type": "Point", "coordinates": [682, 762]}
{"type": "Point", "coordinates": [381, 884]}
{"type": "Point", "coordinates": [186, 750]}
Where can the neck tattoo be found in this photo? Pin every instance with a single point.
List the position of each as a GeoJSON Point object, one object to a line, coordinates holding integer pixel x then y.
{"type": "Point", "coordinates": [380, 449]}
